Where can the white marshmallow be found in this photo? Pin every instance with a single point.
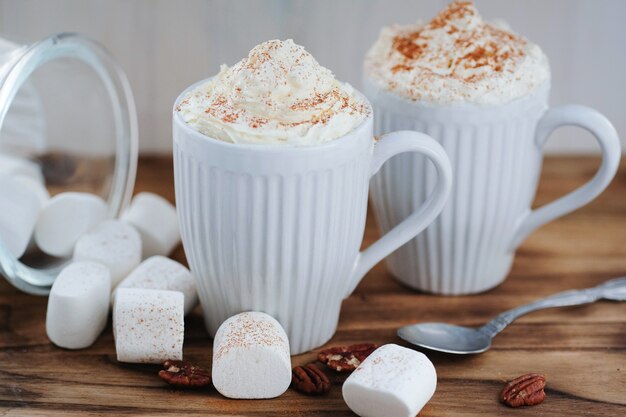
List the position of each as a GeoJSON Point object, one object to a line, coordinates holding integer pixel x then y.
{"type": "Point", "coordinates": [161, 273]}
{"type": "Point", "coordinates": [148, 325]}
{"type": "Point", "coordinates": [113, 243]}
{"type": "Point", "coordinates": [37, 187]}
{"type": "Point", "coordinates": [65, 218]}
{"type": "Point", "coordinates": [15, 165]}
{"type": "Point", "coordinates": [155, 219]}
{"type": "Point", "coordinates": [42, 194]}
{"type": "Point", "coordinates": [78, 305]}
{"type": "Point", "coordinates": [392, 382]}
{"type": "Point", "coordinates": [19, 210]}
{"type": "Point", "coordinates": [251, 357]}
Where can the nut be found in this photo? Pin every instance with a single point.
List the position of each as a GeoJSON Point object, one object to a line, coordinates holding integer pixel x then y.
{"type": "Point", "coordinates": [310, 380]}
{"type": "Point", "coordinates": [524, 390]}
{"type": "Point", "coordinates": [346, 358]}
{"type": "Point", "coordinates": [182, 374]}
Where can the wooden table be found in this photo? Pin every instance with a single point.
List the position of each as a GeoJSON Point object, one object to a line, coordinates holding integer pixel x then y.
{"type": "Point", "coordinates": [581, 350]}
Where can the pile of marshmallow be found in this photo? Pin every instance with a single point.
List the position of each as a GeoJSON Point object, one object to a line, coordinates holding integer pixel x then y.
{"type": "Point", "coordinates": [150, 298]}
{"type": "Point", "coordinates": [30, 219]}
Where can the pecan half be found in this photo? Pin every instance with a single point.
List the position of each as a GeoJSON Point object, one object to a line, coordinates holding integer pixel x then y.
{"type": "Point", "coordinates": [524, 390]}
{"type": "Point", "coordinates": [346, 358]}
{"type": "Point", "coordinates": [310, 380]}
{"type": "Point", "coordinates": [182, 374]}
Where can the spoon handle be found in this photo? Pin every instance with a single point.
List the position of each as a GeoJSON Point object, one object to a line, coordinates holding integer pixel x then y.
{"type": "Point", "coordinates": [614, 289]}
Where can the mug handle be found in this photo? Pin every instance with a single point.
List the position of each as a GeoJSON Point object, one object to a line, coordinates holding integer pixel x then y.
{"type": "Point", "coordinates": [390, 145]}
{"type": "Point", "coordinates": [606, 136]}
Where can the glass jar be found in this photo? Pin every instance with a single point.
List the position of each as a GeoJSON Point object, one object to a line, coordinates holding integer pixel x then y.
{"type": "Point", "coordinates": [68, 120]}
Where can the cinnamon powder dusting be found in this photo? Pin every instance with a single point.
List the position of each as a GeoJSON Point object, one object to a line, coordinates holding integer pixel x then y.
{"type": "Point", "coordinates": [408, 46]}
{"type": "Point", "coordinates": [457, 10]}
{"type": "Point", "coordinates": [326, 103]}
{"type": "Point", "coordinates": [457, 57]}
{"type": "Point", "coordinates": [249, 329]}
{"type": "Point", "coordinates": [501, 48]}
{"type": "Point", "coordinates": [278, 94]}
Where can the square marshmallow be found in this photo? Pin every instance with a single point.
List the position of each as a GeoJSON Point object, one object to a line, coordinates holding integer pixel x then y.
{"type": "Point", "coordinates": [148, 325]}
{"type": "Point", "coordinates": [393, 382]}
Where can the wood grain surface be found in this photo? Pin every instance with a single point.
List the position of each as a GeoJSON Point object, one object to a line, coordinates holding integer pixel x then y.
{"type": "Point", "coordinates": [581, 350]}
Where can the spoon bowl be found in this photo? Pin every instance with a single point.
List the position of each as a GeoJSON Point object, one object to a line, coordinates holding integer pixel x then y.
{"type": "Point", "coordinates": [466, 340]}
{"type": "Point", "coordinates": [446, 338]}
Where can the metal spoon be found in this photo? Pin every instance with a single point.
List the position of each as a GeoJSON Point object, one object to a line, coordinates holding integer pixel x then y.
{"type": "Point", "coordinates": [466, 340]}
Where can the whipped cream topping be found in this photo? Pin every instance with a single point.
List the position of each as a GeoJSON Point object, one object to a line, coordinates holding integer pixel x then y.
{"type": "Point", "coordinates": [456, 57]}
{"type": "Point", "coordinates": [279, 94]}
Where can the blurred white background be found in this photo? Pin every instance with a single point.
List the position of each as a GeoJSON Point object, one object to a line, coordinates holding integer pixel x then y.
{"type": "Point", "coordinates": [165, 45]}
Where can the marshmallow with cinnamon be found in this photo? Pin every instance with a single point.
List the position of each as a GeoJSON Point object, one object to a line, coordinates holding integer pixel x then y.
{"type": "Point", "coordinates": [148, 325]}
{"type": "Point", "coordinates": [251, 357]}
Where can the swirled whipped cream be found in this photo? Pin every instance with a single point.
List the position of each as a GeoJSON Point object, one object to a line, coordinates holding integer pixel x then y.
{"type": "Point", "coordinates": [279, 94]}
{"type": "Point", "coordinates": [456, 57]}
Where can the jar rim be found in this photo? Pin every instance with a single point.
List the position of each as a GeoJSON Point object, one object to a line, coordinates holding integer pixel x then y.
{"type": "Point", "coordinates": [13, 74]}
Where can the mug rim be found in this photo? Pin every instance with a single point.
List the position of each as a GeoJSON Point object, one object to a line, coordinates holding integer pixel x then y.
{"type": "Point", "coordinates": [356, 132]}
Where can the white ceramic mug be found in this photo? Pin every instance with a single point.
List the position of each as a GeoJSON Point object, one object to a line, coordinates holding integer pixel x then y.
{"type": "Point", "coordinates": [278, 228]}
{"type": "Point", "coordinates": [496, 154]}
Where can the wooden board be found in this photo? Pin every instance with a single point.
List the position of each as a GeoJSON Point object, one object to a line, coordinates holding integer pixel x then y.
{"type": "Point", "coordinates": [582, 350]}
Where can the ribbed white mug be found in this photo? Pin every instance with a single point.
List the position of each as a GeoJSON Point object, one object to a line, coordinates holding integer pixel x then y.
{"type": "Point", "coordinates": [277, 229]}
{"type": "Point", "coordinates": [496, 154]}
